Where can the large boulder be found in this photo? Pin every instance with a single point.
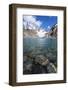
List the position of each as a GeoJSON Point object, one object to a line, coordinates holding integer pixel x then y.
{"type": "Point", "coordinates": [51, 68]}
{"type": "Point", "coordinates": [41, 59]}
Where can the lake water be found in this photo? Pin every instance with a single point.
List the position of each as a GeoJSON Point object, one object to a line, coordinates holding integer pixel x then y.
{"type": "Point", "coordinates": [41, 46]}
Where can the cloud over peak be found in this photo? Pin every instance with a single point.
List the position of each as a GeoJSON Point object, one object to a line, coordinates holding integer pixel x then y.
{"type": "Point", "coordinates": [31, 22]}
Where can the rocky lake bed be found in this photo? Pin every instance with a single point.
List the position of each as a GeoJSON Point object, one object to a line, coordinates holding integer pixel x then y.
{"type": "Point", "coordinates": [39, 56]}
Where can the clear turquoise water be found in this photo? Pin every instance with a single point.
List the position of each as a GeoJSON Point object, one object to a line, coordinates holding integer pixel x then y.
{"type": "Point", "coordinates": [43, 46]}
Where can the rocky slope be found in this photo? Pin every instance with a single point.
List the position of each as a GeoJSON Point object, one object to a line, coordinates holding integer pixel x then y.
{"type": "Point", "coordinates": [53, 31]}
{"type": "Point", "coordinates": [30, 33]}
{"type": "Point", "coordinates": [33, 33]}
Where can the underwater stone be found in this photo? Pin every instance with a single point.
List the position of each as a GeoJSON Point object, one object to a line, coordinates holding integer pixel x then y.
{"type": "Point", "coordinates": [51, 68]}
{"type": "Point", "coordinates": [41, 59]}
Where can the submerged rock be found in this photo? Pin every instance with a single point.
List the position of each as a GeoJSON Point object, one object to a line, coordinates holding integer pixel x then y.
{"type": "Point", "coordinates": [40, 64]}
{"type": "Point", "coordinates": [25, 58]}
{"type": "Point", "coordinates": [52, 58]}
{"type": "Point", "coordinates": [38, 69]}
{"type": "Point", "coordinates": [41, 59]}
{"type": "Point", "coordinates": [27, 68]}
{"type": "Point", "coordinates": [51, 68]}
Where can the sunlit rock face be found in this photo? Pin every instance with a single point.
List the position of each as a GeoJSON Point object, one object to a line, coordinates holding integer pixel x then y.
{"type": "Point", "coordinates": [53, 31]}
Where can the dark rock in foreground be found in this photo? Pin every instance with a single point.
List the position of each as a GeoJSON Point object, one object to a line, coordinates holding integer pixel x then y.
{"type": "Point", "coordinates": [51, 68]}
{"type": "Point", "coordinates": [41, 60]}
{"type": "Point", "coordinates": [40, 64]}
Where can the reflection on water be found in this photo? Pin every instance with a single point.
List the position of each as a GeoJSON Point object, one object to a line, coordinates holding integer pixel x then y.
{"type": "Point", "coordinates": [33, 47]}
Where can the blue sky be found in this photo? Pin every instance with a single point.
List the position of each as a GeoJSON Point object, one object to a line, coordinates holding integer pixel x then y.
{"type": "Point", "coordinates": [47, 21]}
{"type": "Point", "coordinates": [43, 22]}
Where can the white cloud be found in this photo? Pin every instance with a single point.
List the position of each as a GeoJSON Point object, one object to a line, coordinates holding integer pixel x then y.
{"type": "Point", "coordinates": [31, 22]}
{"type": "Point", "coordinates": [29, 18]}
{"type": "Point", "coordinates": [38, 23]}
{"type": "Point", "coordinates": [48, 27]}
{"type": "Point", "coordinates": [43, 30]}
